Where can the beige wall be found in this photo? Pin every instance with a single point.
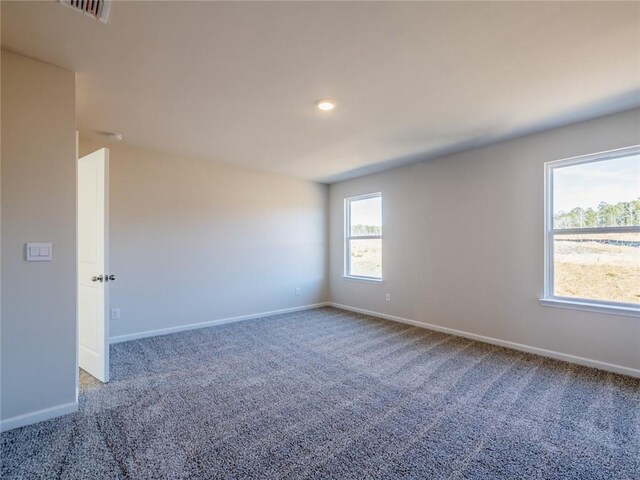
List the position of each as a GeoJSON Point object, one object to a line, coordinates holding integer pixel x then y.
{"type": "Point", "coordinates": [193, 241]}
{"type": "Point", "coordinates": [38, 326]}
{"type": "Point", "coordinates": [463, 244]}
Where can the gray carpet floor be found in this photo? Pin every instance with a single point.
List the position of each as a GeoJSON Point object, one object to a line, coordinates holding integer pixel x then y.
{"type": "Point", "coordinates": [332, 394]}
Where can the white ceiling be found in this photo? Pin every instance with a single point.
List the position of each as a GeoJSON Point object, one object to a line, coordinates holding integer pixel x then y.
{"type": "Point", "coordinates": [236, 82]}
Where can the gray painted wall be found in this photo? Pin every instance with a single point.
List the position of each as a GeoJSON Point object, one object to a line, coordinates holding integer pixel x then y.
{"type": "Point", "coordinates": [193, 241]}
{"type": "Point", "coordinates": [463, 244]}
{"type": "Point", "coordinates": [38, 326]}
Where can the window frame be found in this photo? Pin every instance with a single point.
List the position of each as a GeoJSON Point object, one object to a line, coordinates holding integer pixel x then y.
{"type": "Point", "coordinates": [348, 237]}
{"type": "Point", "coordinates": [589, 304]}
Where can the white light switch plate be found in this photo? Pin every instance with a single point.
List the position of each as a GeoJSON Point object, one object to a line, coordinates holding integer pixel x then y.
{"type": "Point", "coordinates": [39, 252]}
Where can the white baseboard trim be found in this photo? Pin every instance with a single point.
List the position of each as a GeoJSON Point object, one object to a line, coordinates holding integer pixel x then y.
{"type": "Point", "coordinates": [221, 321]}
{"type": "Point", "coordinates": [37, 416]}
{"type": "Point", "coordinates": [587, 362]}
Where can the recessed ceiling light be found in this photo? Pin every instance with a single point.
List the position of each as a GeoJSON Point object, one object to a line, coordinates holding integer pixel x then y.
{"type": "Point", "coordinates": [325, 104]}
{"type": "Point", "coordinates": [112, 135]}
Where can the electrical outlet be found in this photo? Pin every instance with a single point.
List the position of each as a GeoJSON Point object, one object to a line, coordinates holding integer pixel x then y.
{"type": "Point", "coordinates": [388, 297]}
{"type": "Point", "coordinates": [297, 290]}
{"type": "Point", "coordinates": [115, 313]}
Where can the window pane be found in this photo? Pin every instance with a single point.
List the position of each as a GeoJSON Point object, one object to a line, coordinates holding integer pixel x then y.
{"type": "Point", "coordinates": [604, 266]}
{"type": "Point", "coordinates": [366, 216]}
{"type": "Point", "coordinates": [366, 258]}
{"type": "Point", "coordinates": [597, 194]}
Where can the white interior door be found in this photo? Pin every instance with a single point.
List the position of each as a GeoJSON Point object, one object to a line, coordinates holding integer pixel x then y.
{"type": "Point", "coordinates": [93, 263]}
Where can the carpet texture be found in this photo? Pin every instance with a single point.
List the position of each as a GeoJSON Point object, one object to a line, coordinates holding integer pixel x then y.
{"type": "Point", "coordinates": [332, 394]}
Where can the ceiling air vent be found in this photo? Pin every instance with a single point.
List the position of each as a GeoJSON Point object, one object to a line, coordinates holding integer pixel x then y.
{"type": "Point", "coordinates": [98, 9]}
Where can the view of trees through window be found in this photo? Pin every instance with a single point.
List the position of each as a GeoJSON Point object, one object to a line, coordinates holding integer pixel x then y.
{"type": "Point", "coordinates": [604, 215]}
{"type": "Point", "coordinates": [596, 230]}
{"type": "Point", "coordinates": [364, 239]}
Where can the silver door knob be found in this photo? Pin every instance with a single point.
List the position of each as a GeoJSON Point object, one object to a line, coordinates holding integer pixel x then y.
{"type": "Point", "coordinates": [97, 278]}
{"type": "Point", "coordinates": [111, 277]}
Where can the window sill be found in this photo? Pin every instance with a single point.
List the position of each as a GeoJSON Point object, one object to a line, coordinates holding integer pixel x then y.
{"type": "Point", "coordinates": [379, 281]}
{"type": "Point", "coordinates": [591, 307]}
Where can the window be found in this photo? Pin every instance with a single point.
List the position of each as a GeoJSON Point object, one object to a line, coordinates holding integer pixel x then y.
{"type": "Point", "coordinates": [363, 237]}
{"type": "Point", "coordinates": [593, 230]}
